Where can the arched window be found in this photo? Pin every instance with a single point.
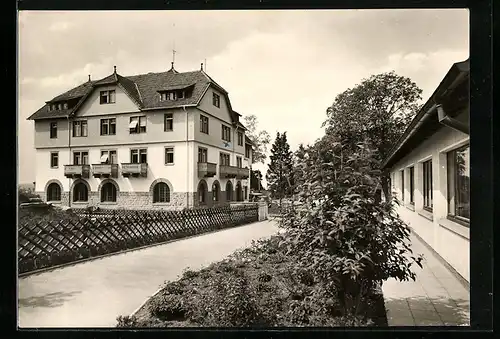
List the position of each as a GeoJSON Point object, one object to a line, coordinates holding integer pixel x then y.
{"type": "Point", "coordinates": [161, 193]}
{"type": "Point", "coordinates": [229, 191]}
{"type": "Point", "coordinates": [80, 192]}
{"type": "Point", "coordinates": [239, 192]}
{"type": "Point", "coordinates": [54, 192]}
{"type": "Point", "coordinates": [202, 192]}
{"type": "Point", "coordinates": [108, 192]}
{"type": "Point", "coordinates": [215, 191]}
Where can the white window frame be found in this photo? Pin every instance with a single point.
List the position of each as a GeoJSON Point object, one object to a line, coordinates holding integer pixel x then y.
{"type": "Point", "coordinates": [165, 155]}
{"type": "Point", "coordinates": [56, 154]}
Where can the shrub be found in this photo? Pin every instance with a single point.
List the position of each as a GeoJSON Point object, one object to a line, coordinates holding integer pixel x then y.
{"type": "Point", "coordinates": [344, 234]}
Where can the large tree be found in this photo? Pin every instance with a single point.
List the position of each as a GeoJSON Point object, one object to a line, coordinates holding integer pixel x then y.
{"type": "Point", "coordinates": [279, 174]}
{"type": "Point", "coordinates": [376, 111]}
{"type": "Point", "coordinates": [261, 139]}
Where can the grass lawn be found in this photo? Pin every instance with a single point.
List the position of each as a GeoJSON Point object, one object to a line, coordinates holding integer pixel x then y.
{"type": "Point", "coordinates": [258, 286]}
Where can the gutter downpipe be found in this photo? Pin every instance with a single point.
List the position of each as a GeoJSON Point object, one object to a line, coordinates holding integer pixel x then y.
{"type": "Point", "coordinates": [413, 131]}
{"type": "Point", "coordinates": [187, 153]}
{"type": "Point", "coordinates": [451, 122]}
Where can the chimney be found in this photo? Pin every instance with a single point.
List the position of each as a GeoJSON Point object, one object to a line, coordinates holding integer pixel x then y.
{"type": "Point", "coordinates": [115, 69]}
{"type": "Point", "coordinates": [202, 66]}
{"type": "Point", "coordinates": [89, 78]}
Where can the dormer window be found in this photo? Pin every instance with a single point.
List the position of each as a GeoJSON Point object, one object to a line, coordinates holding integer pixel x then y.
{"type": "Point", "coordinates": [65, 105]}
{"type": "Point", "coordinates": [171, 95]}
{"type": "Point", "coordinates": [108, 97]}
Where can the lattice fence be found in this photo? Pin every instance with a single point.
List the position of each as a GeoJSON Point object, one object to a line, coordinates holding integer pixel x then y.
{"type": "Point", "coordinates": [48, 243]}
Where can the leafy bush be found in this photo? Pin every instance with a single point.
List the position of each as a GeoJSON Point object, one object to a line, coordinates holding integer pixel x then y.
{"type": "Point", "coordinates": [344, 234]}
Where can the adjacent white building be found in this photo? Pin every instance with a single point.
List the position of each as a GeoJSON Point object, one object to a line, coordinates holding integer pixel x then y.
{"type": "Point", "coordinates": [159, 140]}
{"type": "Point", "coordinates": [430, 175]}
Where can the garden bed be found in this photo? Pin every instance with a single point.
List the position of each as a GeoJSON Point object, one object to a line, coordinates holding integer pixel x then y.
{"type": "Point", "coordinates": [259, 286]}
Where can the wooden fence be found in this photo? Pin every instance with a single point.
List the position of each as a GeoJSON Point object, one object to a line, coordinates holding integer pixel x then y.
{"type": "Point", "coordinates": [49, 243]}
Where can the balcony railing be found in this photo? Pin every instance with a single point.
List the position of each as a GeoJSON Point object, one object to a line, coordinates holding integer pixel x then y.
{"type": "Point", "coordinates": [207, 169]}
{"type": "Point", "coordinates": [77, 171]}
{"type": "Point", "coordinates": [228, 171]}
{"type": "Point", "coordinates": [105, 170]}
{"type": "Point", "coordinates": [135, 170]}
{"type": "Point", "coordinates": [243, 173]}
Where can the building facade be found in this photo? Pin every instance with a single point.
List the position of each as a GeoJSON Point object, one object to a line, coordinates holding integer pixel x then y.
{"type": "Point", "coordinates": [430, 175]}
{"type": "Point", "coordinates": [165, 140]}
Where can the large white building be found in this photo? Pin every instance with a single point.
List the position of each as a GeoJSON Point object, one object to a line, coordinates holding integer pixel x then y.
{"type": "Point", "coordinates": [429, 168]}
{"type": "Point", "coordinates": [159, 140]}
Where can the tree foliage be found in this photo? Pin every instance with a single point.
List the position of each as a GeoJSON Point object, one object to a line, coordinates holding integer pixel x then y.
{"type": "Point", "coordinates": [256, 180]}
{"type": "Point", "coordinates": [261, 139]}
{"type": "Point", "coordinates": [377, 111]}
{"type": "Point", "coordinates": [340, 230]}
{"type": "Point", "coordinates": [279, 175]}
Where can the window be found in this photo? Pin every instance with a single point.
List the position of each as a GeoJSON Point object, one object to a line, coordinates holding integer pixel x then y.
{"type": "Point", "coordinates": [202, 154]}
{"type": "Point", "coordinates": [427, 179]}
{"type": "Point", "coordinates": [54, 159]}
{"type": "Point", "coordinates": [459, 184]}
{"type": "Point", "coordinates": [161, 193]}
{"type": "Point", "coordinates": [240, 139]}
{"type": "Point", "coordinates": [137, 125]}
{"type": "Point", "coordinates": [65, 105]}
{"type": "Point", "coordinates": [80, 193]}
{"type": "Point", "coordinates": [412, 184]}
{"type": "Point", "coordinates": [169, 156]}
{"type": "Point", "coordinates": [171, 95]}
{"type": "Point", "coordinates": [80, 158]}
{"type": "Point", "coordinates": [108, 126]}
{"type": "Point", "coordinates": [109, 157]}
{"type": "Point", "coordinates": [139, 156]}
{"type": "Point", "coordinates": [248, 152]}
{"type": "Point", "coordinates": [59, 107]}
{"type": "Point", "coordinates": [80, 128]}
{"type": "Point", "coordinates": [215, 191]}
{"type": "Point", "coordinates": [229, 191]}
{"type": "Point", "coordinates": [53, 130]}
{"type": "Point", "coordinates": [168, 124]}
{"type": "Point", "coordinates": [216, 100]}
{"type": "Point", "coordinates": [203, 124]}
{"type": "Point", "coordinates": [54, 192]}
{"type": "Point", "coordinates": [202, 192]}
{"type": "Point", "coordinates": [108, 97]}
{"type": "Point", "coordinates": [402, 185]}
{"type": "Point", "coordinates": [224, 159]}
{"type": "Point", "coordinates": [239, 162]}
{"type": "Point", "coordinates": [108, 192]}
{"type": "Point", "coordinates": [226, 133]}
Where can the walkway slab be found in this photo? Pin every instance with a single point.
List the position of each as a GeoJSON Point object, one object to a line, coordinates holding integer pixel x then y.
{"type": "Point", "coordinates": [94, 293]}
{"type": "Point", "coordinates": [436, 298]}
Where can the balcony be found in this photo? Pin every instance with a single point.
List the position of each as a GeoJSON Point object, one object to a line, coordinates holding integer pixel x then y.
{"type": "Point", "coordinates": [206, 169]}
{"type": "Point", "coordinates": [105, 170]}
{"type": "Point", "coordinates": [228, 171]}
{"type": "Point", "coordinates": [135, 170]}
{"type": "Point", "coordinates": [77, 171]}
{"type": "Point", "coordinates": [243, 173]}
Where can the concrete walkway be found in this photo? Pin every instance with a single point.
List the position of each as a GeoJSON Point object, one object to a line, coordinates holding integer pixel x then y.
{"type": "Point", "coordinates": [436, 298]}
{"type": "Point", "coordinates": [94, 293]}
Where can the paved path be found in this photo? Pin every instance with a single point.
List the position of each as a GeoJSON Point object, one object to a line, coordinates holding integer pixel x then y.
{"type": "Point", "coordinates": [436, 298]}
{"type": "Point", "coordinates": [94, 293]}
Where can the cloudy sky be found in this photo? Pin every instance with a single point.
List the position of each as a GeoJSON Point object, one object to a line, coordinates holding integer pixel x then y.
{"type": "Point", "coordinates": [286, 67]}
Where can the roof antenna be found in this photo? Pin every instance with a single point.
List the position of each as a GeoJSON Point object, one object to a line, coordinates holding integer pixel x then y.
{"type": "Point", "coordinates": [205, 64]}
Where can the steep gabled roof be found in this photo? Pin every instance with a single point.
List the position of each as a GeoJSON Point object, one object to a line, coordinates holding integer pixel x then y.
{"type": "Point", "coordinates": [143, 90]}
